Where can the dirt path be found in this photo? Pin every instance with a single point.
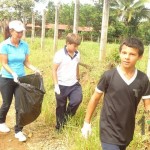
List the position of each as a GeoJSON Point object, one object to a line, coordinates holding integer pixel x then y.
{"type": "Point", "coordinates": [40, 136]}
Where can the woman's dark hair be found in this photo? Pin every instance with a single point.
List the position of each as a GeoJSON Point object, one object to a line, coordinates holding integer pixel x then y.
{"type": "Point", "coordinates": [134, 43]}
{"type": "Point", "coordinates": [6, 32]}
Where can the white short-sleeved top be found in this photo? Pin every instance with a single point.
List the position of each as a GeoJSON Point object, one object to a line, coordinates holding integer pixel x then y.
{"type": "Point", "coordinates": [67, 70]}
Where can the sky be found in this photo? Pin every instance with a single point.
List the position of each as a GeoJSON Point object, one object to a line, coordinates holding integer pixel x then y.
{"type": "Point", "coordinates": [81, 1]}
{"type": "Point", "coordinates": [40, 6]}
{"type": "Point", "coordinates": [89, 2]}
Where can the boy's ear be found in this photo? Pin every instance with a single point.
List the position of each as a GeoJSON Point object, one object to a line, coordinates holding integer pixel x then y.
{"type": "Point", "coordinates": [140, 57]}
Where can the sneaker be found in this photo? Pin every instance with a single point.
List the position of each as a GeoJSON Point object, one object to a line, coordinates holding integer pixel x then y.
{"type": "Point", "coordinates": [20, 136]}
{"type": "Point", "coordinates": [4, 128]}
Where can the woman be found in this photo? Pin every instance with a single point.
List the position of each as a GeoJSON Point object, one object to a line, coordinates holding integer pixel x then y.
{"type": "Point", "coordinates": [14, 56]}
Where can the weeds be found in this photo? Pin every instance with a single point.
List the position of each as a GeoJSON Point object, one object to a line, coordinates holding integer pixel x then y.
{"type": "Point", "coordinates": [71, 135]}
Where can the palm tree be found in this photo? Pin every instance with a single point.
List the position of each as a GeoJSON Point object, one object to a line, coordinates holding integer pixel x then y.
{"type": "Point", "coordinates": [131, 13]}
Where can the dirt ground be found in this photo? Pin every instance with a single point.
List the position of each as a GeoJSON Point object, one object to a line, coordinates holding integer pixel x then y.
{"type": "Point", "coordinates": [39, 136]}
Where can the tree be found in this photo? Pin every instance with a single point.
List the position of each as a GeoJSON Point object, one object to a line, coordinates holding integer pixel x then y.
{"type": "Point", "coordinates": [56, 25]}
{"type": "Point", "coordinates": [131, 13]}
{"type": "Point", "coordinates": [148, 64]}
{"type": "Point", "coordinates": [43, 28]}
{"type": "Point", "coordinates": [66, 14]}
{"type": "Point", "coordinates": [50, 16]}
{"type": "Point", "coordinates": [76, 16]}
{"type": "Point", "coordinates": [16, 9]}
{"type": "Point", "coordinates": [104, 29]}
{"type": "Point", "coordinates": [33, 26]}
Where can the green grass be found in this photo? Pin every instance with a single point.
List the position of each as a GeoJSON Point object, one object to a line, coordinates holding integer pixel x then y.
{"type": "Point", "coordinates": [71, 135]}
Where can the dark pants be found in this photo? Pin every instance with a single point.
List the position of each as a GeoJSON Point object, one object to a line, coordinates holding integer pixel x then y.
{"type": "Point", "coordinates": [8, 89]}
{"type": "Point", "coordinates": [106, 146]}
{"type": "Point", "coordinates": [63, 111]}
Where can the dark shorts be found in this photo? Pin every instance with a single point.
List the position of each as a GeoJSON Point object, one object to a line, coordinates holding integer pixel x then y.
{"type": "Point", "coordinates": [106, 146]}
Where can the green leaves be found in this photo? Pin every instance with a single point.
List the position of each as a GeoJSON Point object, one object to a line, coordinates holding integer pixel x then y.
{"type": "Point", "coordinates": [16, 9]}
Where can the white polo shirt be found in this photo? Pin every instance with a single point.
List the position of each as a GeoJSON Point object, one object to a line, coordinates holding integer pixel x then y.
{"type": "Point", "coordinates": [67, 70]}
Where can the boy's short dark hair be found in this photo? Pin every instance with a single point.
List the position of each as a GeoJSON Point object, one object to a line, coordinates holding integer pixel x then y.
{"type": "Point", "coordinates": [72, 38]}
{"type": "Point", "coordinates": [134, 43]}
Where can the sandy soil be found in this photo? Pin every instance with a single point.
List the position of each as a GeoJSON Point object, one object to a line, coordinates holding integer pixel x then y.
{"type": "Point", "coordinates": [40, 136]}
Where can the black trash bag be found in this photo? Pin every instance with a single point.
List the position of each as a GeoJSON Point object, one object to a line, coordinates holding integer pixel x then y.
{"type": "Point", "coordinates": [31, 93]}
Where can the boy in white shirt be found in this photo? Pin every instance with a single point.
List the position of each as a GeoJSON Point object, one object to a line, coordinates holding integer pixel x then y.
{"type": "Point", "coordinates": [66, 76]}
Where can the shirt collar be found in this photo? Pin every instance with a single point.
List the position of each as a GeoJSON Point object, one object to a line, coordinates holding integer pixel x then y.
{"type": "Point", "coordinates": [128, 81]}
{"type": "Point", "coordinates": [8, 41]}
{"type": "Point", "coordinates": [66, 52]}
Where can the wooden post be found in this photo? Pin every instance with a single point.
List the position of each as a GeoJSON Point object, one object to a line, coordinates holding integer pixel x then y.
{"type": "Point", "coordinates": [148, 64]}
{"type": "Point", "coordinates": [56, 25]}
{"type": "Point", "coordinates": [33, 26]}
{"type": "Point", "coordinates": [43, 28]}
{"type": "Point", "coordinates": [76, 16]}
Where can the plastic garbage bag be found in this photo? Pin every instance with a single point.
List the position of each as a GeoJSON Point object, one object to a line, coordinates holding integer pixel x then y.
{"type": "Point", "coordinates": [30, 96]}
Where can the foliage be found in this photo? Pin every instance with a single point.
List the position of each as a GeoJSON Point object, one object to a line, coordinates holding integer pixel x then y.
{"type": "Point", "coordinates": [66, 14]}
{"type": "Point", "coordinates": [144, 32]}
{"type": "Point", "coordinates": [112, 58]}
{"type": "Point", "coordinates": [16, 9]}
{"type": "Point", "coordinates": [127, 18]}
{"type": "Point", "coordinates": [50, 33]}
{"type": "Point", "coordinates": [91, 15]}
{"type": "Point", "coordinates": [50, 16]}
{"type": "Point", "coordinates": [131, 14]}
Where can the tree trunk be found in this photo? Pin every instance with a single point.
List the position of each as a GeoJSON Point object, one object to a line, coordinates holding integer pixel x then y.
{"type": "Point", "coordinates": [24, 32]}
{"type": "Point", "coordinates": [33, 26]}
{"type": "Point", "coordinates": [148, 64]}
{"type": "Point", "coordinates": [76, 16]}
{"type": "Point", "coordinates": [104, 29]}
{"type": "Point", "coordinates": [56, 27]}
{"type": "Point", "coordinates": [43, 29]}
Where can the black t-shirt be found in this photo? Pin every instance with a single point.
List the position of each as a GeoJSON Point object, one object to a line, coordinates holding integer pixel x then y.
{"type": "Point", "coordinates": [121, 99]}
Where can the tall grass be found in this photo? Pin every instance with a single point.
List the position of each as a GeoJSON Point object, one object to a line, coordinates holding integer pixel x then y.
{"type": "Point", "coordinates": [71, 135]}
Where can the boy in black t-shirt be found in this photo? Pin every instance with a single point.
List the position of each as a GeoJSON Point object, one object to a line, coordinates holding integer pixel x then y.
{"type": "Point", "coordinates": [123, 88]}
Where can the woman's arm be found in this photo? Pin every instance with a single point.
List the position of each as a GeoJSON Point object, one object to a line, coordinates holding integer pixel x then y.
{"type": "Point", "coordinates": [4, 60]}
{"type": "Point", "coordinates": [28, 64]}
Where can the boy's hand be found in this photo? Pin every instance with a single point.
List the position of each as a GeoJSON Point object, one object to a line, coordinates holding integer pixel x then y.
{"type": "Point", "coordinates": [86, 130]}
{"type": "Point", "coordinates": [57, 89]}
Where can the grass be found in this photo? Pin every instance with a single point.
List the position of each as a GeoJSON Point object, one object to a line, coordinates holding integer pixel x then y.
{"type": "Point", "coordinates": [71, 135]}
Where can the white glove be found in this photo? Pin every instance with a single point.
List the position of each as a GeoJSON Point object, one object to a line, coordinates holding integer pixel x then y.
{"type": "Point", "coordinates": [86, 130]}
{"type": "Point", "coordinates": [15, 76]}
{"type": "Point", "coordinates": [57, 89]}
{"type": "Point", "coordinates": [37, 71]}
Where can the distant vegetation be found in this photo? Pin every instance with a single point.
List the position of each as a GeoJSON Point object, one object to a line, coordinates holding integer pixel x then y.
{"type": "Point", "coordinates": [126, 18]}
